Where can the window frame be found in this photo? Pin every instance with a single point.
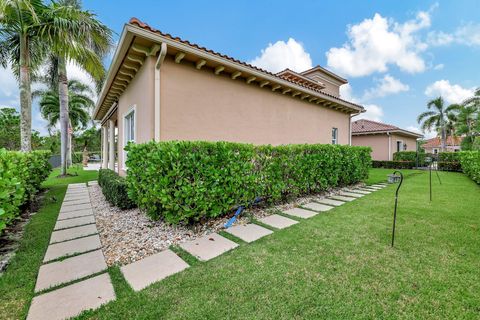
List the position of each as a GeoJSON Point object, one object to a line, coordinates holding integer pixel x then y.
{"type": "Point", "coordinates": [132, 109]}
{"type": "Point", "coordinates": [334, 140]}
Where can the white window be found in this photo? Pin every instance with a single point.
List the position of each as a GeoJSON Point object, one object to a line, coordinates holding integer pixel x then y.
{"type": "Point", "coordinates": [399, 145]}
{"type": "Point", "coordinates": [334, 135]}
{"type": "Point", "coordinates": [129, 130]}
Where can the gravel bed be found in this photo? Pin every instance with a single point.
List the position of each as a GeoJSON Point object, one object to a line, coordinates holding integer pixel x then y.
{"type": "Point", "coordinates": [129, 235]}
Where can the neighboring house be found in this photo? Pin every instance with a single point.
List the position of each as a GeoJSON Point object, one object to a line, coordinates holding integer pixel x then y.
{"type": "Point", "coordinates": [434, 145]}
{"type": "Point", "coordinates": [384, 139]}
{"type": "Point", "coordinates": [162, 88]}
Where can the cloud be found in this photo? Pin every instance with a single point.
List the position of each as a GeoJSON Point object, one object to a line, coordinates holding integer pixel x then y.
{"type": "Point", "coordinates": [9, 93]}
{"type": "Point", "coordinates": [467, 34]}
{"type": "Point", "coordinates": [452, 93]}
{"type": "Point", "coordinates": [439, 66]}
{"type": "Point", "coordinates": [376, 43]}
{"type": "Point", "coordinates": [427, 134]}
{"type": "Point", "coordinates": [281, 55]}
{"type": "Point", "coordinates": [373, 112]}
{"type": "Point", "coordinates": [386, 86]}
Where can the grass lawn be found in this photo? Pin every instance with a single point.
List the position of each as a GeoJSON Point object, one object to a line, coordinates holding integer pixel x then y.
{"type": "Point", "coordinates": [335, 265]}
{"type": "Point", "coordinates": [18, 282]}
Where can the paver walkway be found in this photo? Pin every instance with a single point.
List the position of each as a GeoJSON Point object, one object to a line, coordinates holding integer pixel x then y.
{"type": "Point", "coordinates": [74, 253]}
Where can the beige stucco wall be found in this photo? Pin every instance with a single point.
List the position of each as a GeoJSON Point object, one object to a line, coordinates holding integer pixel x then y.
{"type": "Point", "coordinates": [139, 95]}
{"type": "Point", "coordinates": [198, 105]}
{"type": "Point", "coordinates": [379, 144]}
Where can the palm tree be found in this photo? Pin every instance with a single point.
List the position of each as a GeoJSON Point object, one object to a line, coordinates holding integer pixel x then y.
{"type": "Point", "coordinates": [22, 48]}
{"type": "Point", "coordinates": [437, 118]}
{"type": "Point", "coordinates": [74, 35]}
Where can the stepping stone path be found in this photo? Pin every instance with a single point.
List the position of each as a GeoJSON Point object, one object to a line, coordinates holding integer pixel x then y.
{"type": "Point", "coordinates": [317, 206]}
{"type": "Point", "coordinates": [342, 198]}
{"type": "Point", "coordinates": [358, 191]}
{"type": "Point", "coordinates": [330, 202]}
{"type": "Point", "coordinates": [208, 247]}
{"type": "Point", "coordinates": [300, 213]}
{"type": "Point", "coordinates": [278, 221]}
{"type": "Point", "coordinates": [350, 194]}
{"type": "Point", "coordinates": [249, 232]}
{"type": "Point", "coordinates": [76, 245]}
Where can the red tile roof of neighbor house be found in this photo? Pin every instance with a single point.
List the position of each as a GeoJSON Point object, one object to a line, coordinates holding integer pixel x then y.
{"type": "Point", "coordinates": [437, 142]}
{"type": "Point", "coordinates": [143, 25]}
{"type": "Point", "coordinates": [364, 126]}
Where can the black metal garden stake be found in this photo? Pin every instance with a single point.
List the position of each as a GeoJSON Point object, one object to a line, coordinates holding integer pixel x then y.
{"type": "Point", "coordinates": [430, 182]}
{"type": "Point", "coordinates": [395, 210]}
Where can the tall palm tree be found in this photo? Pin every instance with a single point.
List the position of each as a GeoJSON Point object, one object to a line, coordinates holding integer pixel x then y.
{"type": "Point", "coordinates": [22, 48]}
{"type": "Point", "coordinates": [80, 105]}
{"type": "Point", "coordinates": [74, 35]}
{"type": "Point", "coordinates": [436, 118]}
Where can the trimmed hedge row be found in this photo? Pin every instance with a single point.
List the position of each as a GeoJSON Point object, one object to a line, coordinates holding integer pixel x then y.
{"type": "Point", "coordinates": [470, 161]}
{"type": "Point", "coordinates": [449, 161]}
{"type": "Point", "coordinates": [393, 164]}
{"type": "Point", "coordinates": [114, 188]}
{"type": "Point", "coordinates": [410, 156]}
{"type": "Point", "coordinates": [186, 181]}
{"type": "Point", "coordinates": [21, 175]}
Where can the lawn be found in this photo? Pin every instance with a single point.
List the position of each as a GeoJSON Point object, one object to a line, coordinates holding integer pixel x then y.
{"type": "Point", "coordinates": [335, 265]}
{"type": "Point", "coordinates": [18, 282]}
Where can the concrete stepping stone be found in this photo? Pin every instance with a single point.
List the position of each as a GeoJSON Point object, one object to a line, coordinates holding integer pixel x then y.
{"type": "Point", "coordinates": [76, 185]}
{"type": "Point", "coordinates": [72, 233]}
{"type": "Point", "coordinates": [378, 185]}
{"type": "Point", "coordinates": [342, 198]}
{"type": "Point", "coordinates": [300, 213]}
{"type": "Point", "coordinates": [77, 202]}
{"type": "Point", "coordinates": [66, 209]}
{"type": "Point", "coordinates": [209, 246]}
{"type": "Point", "coordinates": [67, 248]}
{"type": "Point", "coordinates": [317, 206]}
{"type": "Point", "coordinates": [371, 187]}
{"type": "Point", "coordinates": [71, 300]}
{"type": "Point", "coordinates": [367, 189]}
{"type": "Point", "coordinates": [358, 191]}
{"type": "Point", "coordinates": [330, 202]}
{"type": "Point", "coordinates": [350, 194]}
{"type": "Point", "coordinates": [278, 221]}
{"type": "Point", "coordinates": [57, 273]}
{"type": "Point", "coordinates": [77, 192]}
{"type": "Point", "coordinates": [75, 222]}
{"type": "Point", "coordinates": [93, 183]}
{"type": "Point", "coordinates": [75, 214]}
{"type": "Point", "coordinates": [142, 273]}
{"type": "Point", "coordinates": [249, 232]}
{"type": "Point", "coordinates": [68, 199]}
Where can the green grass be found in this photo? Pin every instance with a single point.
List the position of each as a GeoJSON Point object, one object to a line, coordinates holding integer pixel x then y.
{"type": "Point", "coordinates": [337, 265]}
{"type": "Point", "coordinates": [377, 175]}
{"type": "Point", "coordinates": [18, 281]}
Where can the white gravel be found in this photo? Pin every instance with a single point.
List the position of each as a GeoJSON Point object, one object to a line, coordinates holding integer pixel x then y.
{"type": "Point", "coordinates": [130, 235]}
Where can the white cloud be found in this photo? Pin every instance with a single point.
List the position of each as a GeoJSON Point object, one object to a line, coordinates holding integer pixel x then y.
{"type": "Point", "coordinates": [452, 93]}
{"type": "Point", "coordinates": [426, 134]}
{"type": "Point", "coordinates": [386, 86]}
{"type": "Point", "coordinates": [467, 34]}
{"type": "Point", "coordinates": [376, 43]}
{"type": "Point", "coordinates": [346, 93]}
{"type": "Point", "coordinates": [77, 73]}
{"type": "Point", "coordinates": [281, 55]}
{"type": "Point", "coordinates": [439, 66]}
{"type": "Point", "coordinates": [9, 93]}
{"type": "Point", "coordinates": [373, 112]}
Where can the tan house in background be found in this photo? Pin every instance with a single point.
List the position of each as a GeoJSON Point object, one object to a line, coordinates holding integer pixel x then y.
{"type": "Point", "coordinates": [384, 139]}
{"type": "Point", "coordinates": [164, 88]}
{"type": "Point", "coordinates": [434, 145]}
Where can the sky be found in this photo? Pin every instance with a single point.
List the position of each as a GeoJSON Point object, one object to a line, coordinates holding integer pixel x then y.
{"type": "Point", "coordinates": [396, 55]}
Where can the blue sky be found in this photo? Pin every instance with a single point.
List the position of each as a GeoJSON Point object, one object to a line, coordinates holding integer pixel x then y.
{"type": "Point", "coordinates": [396, 54]}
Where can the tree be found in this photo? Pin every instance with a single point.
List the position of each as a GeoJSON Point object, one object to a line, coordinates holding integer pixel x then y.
{"type": "Point", "coordinates": [22, 48]}
{"type": "Point", "coordinates": [436, 118]}
{"type": "Point", "coordinates": [9, 129]}
{"type": "Point", "coordinates": [74, 35]}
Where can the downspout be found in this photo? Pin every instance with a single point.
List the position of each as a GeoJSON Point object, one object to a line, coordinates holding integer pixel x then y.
{"type": "Point", "coordinates": [389, 146]}
{"type": "Point", "coordinates": [350, 127]}
{"type": "Point", "coordinates": [158, 64]}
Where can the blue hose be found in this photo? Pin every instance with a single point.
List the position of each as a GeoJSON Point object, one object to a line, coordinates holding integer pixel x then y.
{"type": "Point", "coordinates": [240, 209]}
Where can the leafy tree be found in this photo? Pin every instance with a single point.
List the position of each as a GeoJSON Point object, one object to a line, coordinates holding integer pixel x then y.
{"type": "Point", "coordinates": [436, 118]}
{"type": "Point", "coordinates": [9, 129]}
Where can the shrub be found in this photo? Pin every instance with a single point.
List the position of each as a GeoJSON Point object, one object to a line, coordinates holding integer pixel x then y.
{"type": "Point", "coordinates": [470, 161]}
{"type": "Point", "coordinates": [449, 161]}
{"type": "Point", "coordinates": [189, 181]}
{"type": "Point", "coordinates": [410, 156]}
{"type": "Point", "coordinates": [393, 164]}
{"type": "Point", "coordinates": [21, 175]}
{"type": "Point", "coordinates": [114, 189]}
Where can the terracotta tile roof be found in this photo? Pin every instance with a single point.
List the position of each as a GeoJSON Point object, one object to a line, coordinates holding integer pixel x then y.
{"type": "Point", "coordinates": [437, 143]}
{"type": "Point", "coordinates": [143, 25]}
{"type": "Point", "coordinates": [364, 125]}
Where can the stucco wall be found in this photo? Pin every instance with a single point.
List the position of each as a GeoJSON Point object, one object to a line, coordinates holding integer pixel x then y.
{"type": "Point", "coordinates": [139, 94]}
{"type": "Point", "coordinates": [379, 144]}
{"type": "Point", "coordinates": [410, 142]}
{"type": "Point", "coordinates": [198, 105]}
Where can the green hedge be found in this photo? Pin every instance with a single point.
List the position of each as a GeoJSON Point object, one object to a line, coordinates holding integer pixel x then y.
{"type": "Point", "coordinates": [114, 189]}
{"type": "Point", "coordinates": [470, 161]}
{"type": "Point", "coordinates": [449, 161]}
{"type": "Point", "coordinates": [393, 164]}
{"type": "Point", "coordinates": [190, 181]}
{"type": "Point", "coordinates": [410, 156]}
{"type": "Point", "coordinates": [21, 175]}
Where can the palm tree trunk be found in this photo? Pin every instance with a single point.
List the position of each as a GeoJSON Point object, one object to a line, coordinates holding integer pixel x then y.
{"type": "Point", "coordinates": [25, 96]}
{"type": "Point", "coordinates": [443, 138]}
{"type": "Point", "coordinates": [63, 96]}
{"type": "Point", "coordinates": [70, 144]}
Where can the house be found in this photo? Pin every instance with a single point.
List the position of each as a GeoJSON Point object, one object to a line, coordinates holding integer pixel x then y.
{"type": "Point", "coordinates": [162, 88]}
{"type": "Point", "coordinates": [434, 145]}
{"type": "Point", "coordinates": [384, 139]}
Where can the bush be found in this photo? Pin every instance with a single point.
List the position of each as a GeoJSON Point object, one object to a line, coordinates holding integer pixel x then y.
{"type": "Point", "coordinates": [410, 156]}
{"type": "Point", "coordinates": [114, 189]}
{"type": "Point", "coordinates": [393, 164]}
{"type": "Point", "coordinates": [21, 175]}
{"type": "Point", "coordinates": [470, 161]}
{"type": "Point", "coordinates": [186, 181]}
{"type": "Point", "coordinates": [449, 161]}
